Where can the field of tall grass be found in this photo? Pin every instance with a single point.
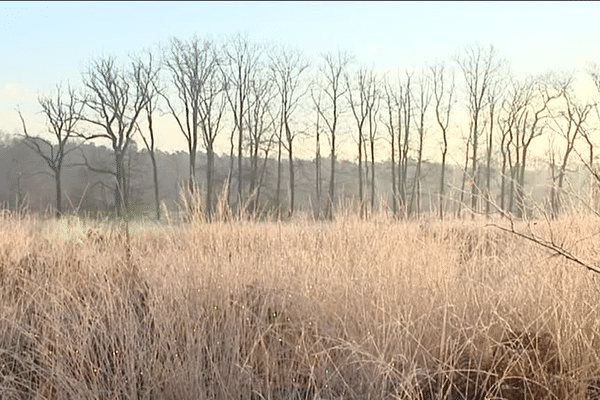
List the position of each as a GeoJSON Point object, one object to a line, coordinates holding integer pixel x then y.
{"type": "Point", "coordinates": [351, 309]}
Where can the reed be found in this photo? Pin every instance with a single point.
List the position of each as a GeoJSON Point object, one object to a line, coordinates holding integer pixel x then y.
{"type": "Point", "coordinates": [350, 309]}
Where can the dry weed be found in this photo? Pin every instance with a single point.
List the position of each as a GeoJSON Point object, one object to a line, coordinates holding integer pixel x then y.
{"type": "Point", "coordinates": [246, 309]}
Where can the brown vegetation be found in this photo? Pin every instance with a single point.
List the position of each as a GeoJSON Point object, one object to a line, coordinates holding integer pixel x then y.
{"type": "Point", "coordinates": [322, 310]}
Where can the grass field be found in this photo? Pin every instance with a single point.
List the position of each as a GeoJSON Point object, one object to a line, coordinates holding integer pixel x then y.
{"type": "Point", "coordinates": [351, 309]}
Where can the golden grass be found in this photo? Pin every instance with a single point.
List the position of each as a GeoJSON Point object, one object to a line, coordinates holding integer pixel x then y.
{"type": "Point", "coordinates": [304, 310]}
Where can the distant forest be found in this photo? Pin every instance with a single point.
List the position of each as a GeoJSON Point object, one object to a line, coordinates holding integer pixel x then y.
{"type": "Point", "coordinates": [99, 155]}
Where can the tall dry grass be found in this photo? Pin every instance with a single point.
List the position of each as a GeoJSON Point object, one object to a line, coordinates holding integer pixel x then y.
{"type": "Point", "coordinates": [302, 310]}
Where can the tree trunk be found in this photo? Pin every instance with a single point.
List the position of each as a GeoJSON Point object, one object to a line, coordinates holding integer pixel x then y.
{"type": "Point", "coordinates": [464, 179]}
{"type": "Point", "coordinates": [394, 187]}
{"type": "Point", "coordinates": [192, 181]}
{"type": "Point", "coordinates": [475, 170]}
{"type": "Point", "coordinates": [318, 174]}
{"type": "Point", "coordinates": [155, 177]}
{"type": "Point", "coordinates": [119, 185]}
{"type": "Point", "coordinates": [57, 177]}
{"type": "Point", "coordinates": [415, 197]}
{"type": "Point", "coordinates": [443, 176]}
{"type": "Point", "coordinates": [227, 198]}
{"type": "Point", "coordinates": [503, 183]}
{"type": "Point", "coordinates": [372, 175]}
{"type": "Point", "coordinates": [209, 181]}
{"type": "Point", "coordinates": [331, 181]}
{"type": "Point", "coordinates": [292, 185]}
{"type": "Point", "coordinates": [240, 144]}
{"type": "Point", "coordinates": [489, 164]}
{"type": "Point", "coordinates": [278, 191]}
{"type": "Point", "coordinates": [361, 198]}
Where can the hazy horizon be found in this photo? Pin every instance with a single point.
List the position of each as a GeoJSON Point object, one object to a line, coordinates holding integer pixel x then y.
{"type": "Point", "coordinates": [46, 43]}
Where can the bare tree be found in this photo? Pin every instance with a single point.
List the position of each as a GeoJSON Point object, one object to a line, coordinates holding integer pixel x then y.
{"type": "Point", "coordinates": [443, 106]}
{"type": "Point", "coordinates": [568, 124]}
{"type": "Point", "coordinates": [389, 121]}
{"type": "Point", "coordinates": [520, 120]}
{"type": "Point", "coordinates": [546, 89]}
{"type": "Point", "coordinates": [423, 101]}
{"type": "Point", "coordinates": [279, 134]}
{"type": "Point", "coordinates": [512, 106]}
{"type": "Point", "coordinates": [403, 103]}
{"type": "Point", "coordinates": [150, 78]}
{"type": "Point", "coordinates": [479, 67]}
{"type": "Point", "coordinates": [116, 99]}
{"type": "Point", "coordinates": [317, 98]}
{"type": "Point", "coordinates": [332, 72]}
{"type": "Point", "coordinates": [588, 133]}
{"type": "Point", "coordinates": [360, 91]}
{"type": "Point", "coordinates": [192, 65]}
{"type": "Point", "coordinates": [465, 173]}
{"type": "Point", "coordinates": [63, 115]}
{"type": "Point", "coordinates": [212, 108]}
{"type": "Point", "coordinates": [259, 120]}
{"type": "Point", "coordinates": [239, 67]}
{"type": "Point", "coordinates": [589, 163]}
{"type": "Point", "coordinates": [373, 113]}
{"type": "Point", "coordinates": [494, 94]}
{"type": "Point", "coordinates": [287, 67]}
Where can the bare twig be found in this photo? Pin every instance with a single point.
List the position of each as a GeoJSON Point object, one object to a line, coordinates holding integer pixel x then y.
{"type": "Point", "coordinates": [550, 245]}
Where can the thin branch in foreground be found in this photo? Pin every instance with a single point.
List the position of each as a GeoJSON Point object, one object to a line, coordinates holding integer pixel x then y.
{"type": "Point", "coordinates": [558, 250]}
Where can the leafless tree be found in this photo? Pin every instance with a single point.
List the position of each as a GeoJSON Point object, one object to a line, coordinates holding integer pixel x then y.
{"type": "Point", "coordinates": [546, 90]}
{"type": "Point", "coordinates": [568, 123]}
{"type": "Point", "coordinates": [588, 133]}
{"type": "Point", "coordinates": [494, 94]}
{"type": "Point", "coordinates": [260, 120]}
{"type": "Point", "coordinates": [287, 67]}
{"type": "Point", "coordinates": [521, 120]}
{"type": "Point", "coordinates": [423, 100]}
{"type": "Point", "coordinates": [361, 94]}
{"type": "Point", "coordinates": [512, 106]}
{"type": "Point", "coordinates": [393, 114]}
{"type": "Point", "coordinates": [479, 67]}
{"type": "Point", "coordinates": [192, 66]}
{"type": "Point", "coordinates": [63, 113]}
{"type": "Point", "coordinates": [212, 108]}
{"type": "Point", "coordinates": [332, 72]}
{"type": "Point", "coordinates": [443, 107]}
{"type": "Point", "coordinates": [373, 137]}
{"type": "Point", "coordinates": [149, 74]}
{"type": "Point", "coordinates": [316, 96]}
{"type": "Point", "coordinates": [405, 110]}
{"type": "Point", "coordinates": [239, 67]}
{"type": "Point", "coordinates": [116, 97]}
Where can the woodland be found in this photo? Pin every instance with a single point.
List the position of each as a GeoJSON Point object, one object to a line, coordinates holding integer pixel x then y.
{"type": "Point", "coordinates": [269, 132]}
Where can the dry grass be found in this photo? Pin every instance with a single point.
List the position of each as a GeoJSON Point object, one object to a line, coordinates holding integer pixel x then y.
{"type": "Point", "coordinates": [302, 310]}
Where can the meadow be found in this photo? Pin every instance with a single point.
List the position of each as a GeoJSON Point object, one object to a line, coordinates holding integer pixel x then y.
{"type": "Point", "coordinates": [350, 309]}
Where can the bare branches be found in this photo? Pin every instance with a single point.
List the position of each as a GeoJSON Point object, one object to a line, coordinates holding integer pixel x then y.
{"type": "Point", "coordinates": [332, 72]}
{"type": "Point", "coordinates": [548, 244]}
{"type": "Point", "coordinates": [568, 123]}
{"type": "Point", "coordinates": [116, 99]}
{"type": "Point", "coordinates": [442, 114]}
{"type": "Point", "coordinates": [480, 68]}
{"type": "Point", "coordinates": [239, 66]}
{"type": "Point", "coordinates": [62, 114]}
{"type": "Point", "coordinates": [195, 68]}
{"type": "Point", "coordinates": [148, 75]}
{"type": "Point", "coordinates": [362, 94]}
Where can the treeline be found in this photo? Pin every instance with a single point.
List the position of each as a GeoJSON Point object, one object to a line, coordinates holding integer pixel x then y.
{"type": "Point", "coordinates": [266, 101]}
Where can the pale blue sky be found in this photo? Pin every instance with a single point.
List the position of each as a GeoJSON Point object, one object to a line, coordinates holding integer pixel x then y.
{"type": "Point", "coordinates": [44, 43]}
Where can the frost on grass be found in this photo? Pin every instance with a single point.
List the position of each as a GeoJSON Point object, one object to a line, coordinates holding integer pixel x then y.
{"type": "Point", "coordinates": [344, 310]}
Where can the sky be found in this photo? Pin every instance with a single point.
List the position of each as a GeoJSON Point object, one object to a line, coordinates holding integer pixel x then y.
{"type": "Point", "coordinates": [46, 43]}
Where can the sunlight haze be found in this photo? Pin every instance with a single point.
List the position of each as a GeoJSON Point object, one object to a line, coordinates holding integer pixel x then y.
{"type": "Point", "coordinates": [46, 43]}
